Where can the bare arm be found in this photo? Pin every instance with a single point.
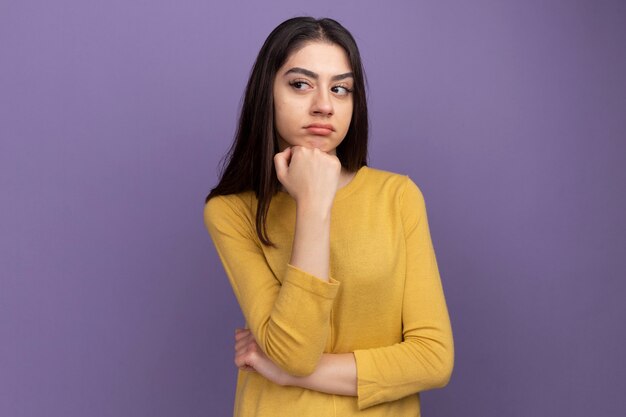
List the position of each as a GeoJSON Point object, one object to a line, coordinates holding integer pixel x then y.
{"type": "Point", "coordinates": [311, 177]}
{"type": "Point", "coordinates": [311, 243]}
{"type": "Point", "coordinates": [335, 374]}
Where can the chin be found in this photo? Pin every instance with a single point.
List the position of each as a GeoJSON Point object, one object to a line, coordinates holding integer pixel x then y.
{"type": "Point", "coordinates": [317, 143]}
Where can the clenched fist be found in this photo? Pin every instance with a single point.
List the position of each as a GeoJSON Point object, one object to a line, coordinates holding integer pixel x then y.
{"type": "Point", "coordinates": [309, 175]}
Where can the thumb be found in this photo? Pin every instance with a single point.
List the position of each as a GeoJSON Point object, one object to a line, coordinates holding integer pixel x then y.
{"type": "Point", "coordinates": [281, 161]}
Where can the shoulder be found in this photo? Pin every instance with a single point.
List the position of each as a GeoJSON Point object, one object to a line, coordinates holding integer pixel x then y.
{"type": "Point", "coordinates": [389, 183]}
{"type": "Point", "coordinates": [229, 209]}
{"type": "Point", "coordinates": [230, 202]}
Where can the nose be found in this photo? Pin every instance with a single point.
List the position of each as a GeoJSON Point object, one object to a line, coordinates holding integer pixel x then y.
{"type": "Point", "coordinates": [322, 104]}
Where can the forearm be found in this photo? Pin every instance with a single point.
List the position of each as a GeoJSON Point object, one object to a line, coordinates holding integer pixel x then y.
{"type": "Point", "coordinates": [335, 374]}
{"type": "Point", "coordinates": [311, 244]}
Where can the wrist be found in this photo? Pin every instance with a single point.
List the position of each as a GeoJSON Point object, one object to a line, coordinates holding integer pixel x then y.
{"type": "Point", "coordinates": [313, 210]}
{"type": "Point", "coordinates": [286, 380]}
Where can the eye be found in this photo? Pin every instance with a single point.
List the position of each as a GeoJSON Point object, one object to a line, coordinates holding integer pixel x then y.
{"type": "Point", "coordinates": [299, 85]}
{"type": "Point", "coordinates": [341, 90]}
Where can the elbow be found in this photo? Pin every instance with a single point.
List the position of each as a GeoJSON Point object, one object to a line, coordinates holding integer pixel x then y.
{"type": "Point", "coordinates": [443, 371]}
{"type": "Point", "coordinates": [294, 354]}
{"type": "Point", "coordinates": [296, 363]}
{"type": "Point", "coordinates": [302, 371]}
{"type": "Point", "coordinates": [435, 362]}
{"type": "Point", "coordinates": [299, 368]}
{"type": "Point", "coordinates": [443, 375]}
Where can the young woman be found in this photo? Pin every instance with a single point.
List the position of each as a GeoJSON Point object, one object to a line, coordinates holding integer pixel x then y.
{"type": "Point", "coordinates": [331, 261]}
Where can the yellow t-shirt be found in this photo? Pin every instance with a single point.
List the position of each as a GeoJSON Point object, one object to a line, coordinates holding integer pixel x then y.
{"type": "Point", "coordinates": [384, 300]}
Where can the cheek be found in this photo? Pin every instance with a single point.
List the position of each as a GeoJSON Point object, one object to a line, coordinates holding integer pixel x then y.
{"type": "Point", "coordinates": [346, 115]}
{"type": "Point", "coordinates": [286, 112]}
{"type": "Point", "coordinates": [283, 119]}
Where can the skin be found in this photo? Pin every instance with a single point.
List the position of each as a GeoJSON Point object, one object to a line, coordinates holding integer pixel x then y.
{"type": "Point", "coordinates": [312, 87]}
{"type": "Point", "coordinates": [301, 98]}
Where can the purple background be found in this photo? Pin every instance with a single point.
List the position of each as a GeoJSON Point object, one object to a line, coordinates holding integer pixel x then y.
{"type": "Point", "coordinates": [510, 116]}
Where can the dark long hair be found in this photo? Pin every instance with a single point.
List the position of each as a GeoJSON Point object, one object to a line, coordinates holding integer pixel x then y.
{"type": "Point", "coordinates": [249, 163]}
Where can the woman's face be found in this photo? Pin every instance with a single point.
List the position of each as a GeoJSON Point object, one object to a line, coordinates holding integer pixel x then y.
{"type": "Point", "coordinates": [313, 97]}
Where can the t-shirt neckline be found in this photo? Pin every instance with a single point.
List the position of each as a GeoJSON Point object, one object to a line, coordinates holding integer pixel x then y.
{"type": "Point", "coordinates": [354, 184]}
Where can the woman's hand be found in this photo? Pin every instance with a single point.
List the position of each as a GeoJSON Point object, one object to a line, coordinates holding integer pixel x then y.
{"type": "Point", "coordinates": [309, 175]}
{"type": "Point", "coordinates": [250, 357]}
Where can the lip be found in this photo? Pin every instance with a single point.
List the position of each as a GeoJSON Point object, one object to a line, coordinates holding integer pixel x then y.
{"type": "Point", "coordinates": [320, 129]}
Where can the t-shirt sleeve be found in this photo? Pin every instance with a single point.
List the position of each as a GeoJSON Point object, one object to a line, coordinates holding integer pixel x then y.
{"type": "Point", "coordinates": [425, 358]}
{"type": "Point", "coordinates": [289, 321]}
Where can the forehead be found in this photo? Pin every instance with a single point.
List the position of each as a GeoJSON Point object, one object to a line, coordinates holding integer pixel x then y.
{"type": "Point", "coordinates": [320, 57]}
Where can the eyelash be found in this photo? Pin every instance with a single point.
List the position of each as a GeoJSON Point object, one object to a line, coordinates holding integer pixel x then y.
{"type": "Point", "coordinates": [294, 82]}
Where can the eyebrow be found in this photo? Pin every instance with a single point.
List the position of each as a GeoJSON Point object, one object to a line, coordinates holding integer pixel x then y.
{"type": "Point", "coordinates": [298, 70]}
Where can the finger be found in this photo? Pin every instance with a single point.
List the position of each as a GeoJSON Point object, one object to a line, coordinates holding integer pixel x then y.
{"type": "Point", "coordinates": [240, 361]}
{"type": "Point", "coordinates": [239, 333]}
{"type": "Point", "coordinates": [285, 153]}
{"type": "Point", "coordinates": [240, 345]}
{"type": "Point", "coordinates": [247, 368]}
{"type": "Point", "coordinates": [246, 357]}
{"type": "Point", "coordinates": [245, 345]}
{"type": "Point", "coordinates": [243, 342]}
{"type": "Point", "coordinates": [288, 152]}
{"type": "Point", "coordinates": [281, 163]}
